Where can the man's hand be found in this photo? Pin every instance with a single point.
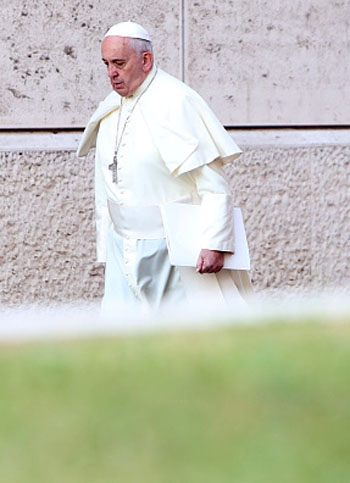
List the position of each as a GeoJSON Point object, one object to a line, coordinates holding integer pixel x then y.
{"type": "Point", "coordinates": [210, 261]}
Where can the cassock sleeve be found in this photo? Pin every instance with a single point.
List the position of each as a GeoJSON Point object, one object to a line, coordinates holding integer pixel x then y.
{"type": "Point", "coordinates": [216, 215]}
{"type": "Point", "coordinates": [102, 217]}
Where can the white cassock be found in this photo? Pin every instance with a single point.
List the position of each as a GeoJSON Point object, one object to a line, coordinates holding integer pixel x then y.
{"type": "Point", "coordinates": [171, 149]}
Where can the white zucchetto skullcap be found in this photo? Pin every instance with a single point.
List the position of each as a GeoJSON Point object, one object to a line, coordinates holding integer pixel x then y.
{"type": "Point", "coordinates": [129, 29]}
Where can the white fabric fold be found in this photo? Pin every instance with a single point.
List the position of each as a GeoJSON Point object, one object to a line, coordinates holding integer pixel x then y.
{"type": "Point", "coordinates": [102, 218]}
{"type": "Point", "coordinates": [216, 215]}
{"type": "Point", "coordinates": [88, 139]}
{"type": "Point", "coordinates": [137, 222]}
{"type": "Point", "coordinates": [216, 223]}
{"type": "Point", "coordinates": [183, 127]}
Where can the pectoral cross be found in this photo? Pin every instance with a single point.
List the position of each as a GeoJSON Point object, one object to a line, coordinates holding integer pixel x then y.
{"type": "Point", "coordinates": [113, 168]}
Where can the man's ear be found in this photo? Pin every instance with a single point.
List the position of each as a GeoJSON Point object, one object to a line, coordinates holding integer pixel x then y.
{"type": "Point", "coordinates": [147, 61]}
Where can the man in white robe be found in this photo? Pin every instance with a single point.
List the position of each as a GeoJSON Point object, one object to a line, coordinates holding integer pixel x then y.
{"type": "Point", "coordinates": [156, 142]}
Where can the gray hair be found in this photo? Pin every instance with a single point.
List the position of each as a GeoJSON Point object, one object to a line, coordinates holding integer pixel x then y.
{"type": "Point", "coordinates": [140, 45]}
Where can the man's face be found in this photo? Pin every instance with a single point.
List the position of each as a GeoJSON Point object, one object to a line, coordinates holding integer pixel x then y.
{"type": "Point", "coordinates": [126, 68]}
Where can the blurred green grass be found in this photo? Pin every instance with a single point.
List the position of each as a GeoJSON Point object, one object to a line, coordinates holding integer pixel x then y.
{"type": "Point", "coordinates": [247, 405]}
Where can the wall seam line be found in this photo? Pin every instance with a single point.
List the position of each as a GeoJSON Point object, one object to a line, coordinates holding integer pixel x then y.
{"type": "Point", "coordinates": [182, 39]}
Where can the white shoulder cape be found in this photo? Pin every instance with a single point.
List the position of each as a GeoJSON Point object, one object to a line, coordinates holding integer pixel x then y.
{"type": "Point", "coordinates": [184, 129]}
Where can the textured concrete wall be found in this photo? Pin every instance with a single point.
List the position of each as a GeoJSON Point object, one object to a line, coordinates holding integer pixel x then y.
{"type": "Point", "coordinates": [296, 203]}
{"type": "Point", "coordinates": [297, 206]}
{"type": "Point", "coordinates": [47, 232]}
{"type": "Point", "coordinates": [262, 62]}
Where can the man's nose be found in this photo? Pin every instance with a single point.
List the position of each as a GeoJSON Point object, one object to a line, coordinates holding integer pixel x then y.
{"type": "Point", "coordinates": [112, 71]}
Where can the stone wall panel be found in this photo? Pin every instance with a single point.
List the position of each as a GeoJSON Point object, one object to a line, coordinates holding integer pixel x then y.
{"type": "Point", "coordinates": [270, 63]}
{"type": "Point", "coordinates": [260, 63]}
{"type": "Point", "coordinates": [51, 70]}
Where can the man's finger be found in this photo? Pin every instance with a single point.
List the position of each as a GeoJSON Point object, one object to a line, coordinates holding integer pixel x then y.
{"type": "Point", "coordinates": [199, 264]}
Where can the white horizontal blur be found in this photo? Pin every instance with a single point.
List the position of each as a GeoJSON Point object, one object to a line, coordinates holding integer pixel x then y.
{"type": "Point", "coordinates": [75, 321]}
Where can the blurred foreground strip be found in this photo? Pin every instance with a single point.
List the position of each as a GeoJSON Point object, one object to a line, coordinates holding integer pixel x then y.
{"type": "Point", "coordinates": [82, 320]}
